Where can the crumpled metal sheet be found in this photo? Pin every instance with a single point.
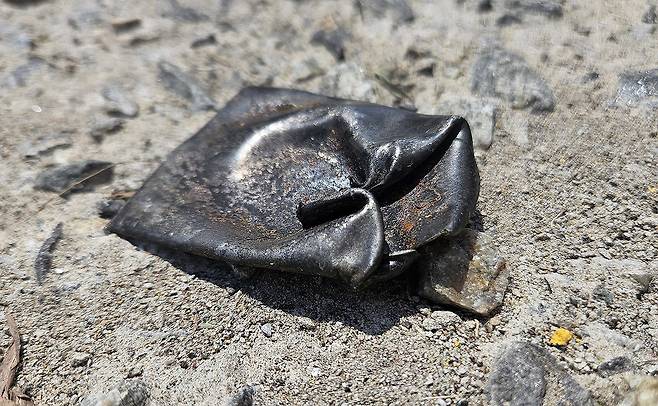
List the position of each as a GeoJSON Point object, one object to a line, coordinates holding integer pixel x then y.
{"type": "Point", "coordinates": [288, 180]}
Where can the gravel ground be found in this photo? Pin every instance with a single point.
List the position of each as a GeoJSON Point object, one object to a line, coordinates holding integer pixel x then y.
{"type": "Point", "coordinates": [563, 98]}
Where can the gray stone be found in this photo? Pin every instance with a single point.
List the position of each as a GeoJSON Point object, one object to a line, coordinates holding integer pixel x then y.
{"type": "Point", "coordinates": [45, 144]}
{"type": "Point", "coordinates": [614, 366]}
{"type": "Point", "coordinates": [126, 393]}
{"type": "Point", "coordinates": [439, 320]}
{"type": "Point", "coordinates": [547, 8]}
{"type": "Point", "coordinates": [80, 359]}
{"type": "Point", "coordinates": [650, 16]}
{"type": "Point", "coordinates": [481, 117]}
{"type": "Point", "coordinates": [333, 40]}
{"type": "Point", "coordinates": [185, 86]}
{"type": "Point", "coordinates": [63, 177]}
{"type": "Point", "coordinates": [266, 329]}
{"type": "Point", "coordinates": [105, 126]}
{"type": "Point", "coordinates": [135, 371]}
{"type": "Point", "coordinates": [19, 76]}
{"type": "Point", "coordinates": [526, 374]}
{"type": "Point", "coordinates": [399, 10]}
{"type": "Point", "coordinates": [184, 14]}
{"type": "Point", "coordinates": [244, 397]}
{"type": "Point", "coordinates": [464, 271]}
{"type": "Point", "coordinates": [637, 88]}
{"type": "Point", "coordinates": [502, 74]}
{"type": "Point", "coordinates": [119, 101]}
{"type": "Point", "coordinates": [110, 207]}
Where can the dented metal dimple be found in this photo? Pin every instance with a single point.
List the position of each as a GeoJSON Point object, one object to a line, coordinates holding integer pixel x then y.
{"type": "Point", "coordinates": [293, 181]}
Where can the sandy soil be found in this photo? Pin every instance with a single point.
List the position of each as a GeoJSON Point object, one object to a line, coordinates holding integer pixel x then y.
{"type": "Point", "coordinates": [570, 190]}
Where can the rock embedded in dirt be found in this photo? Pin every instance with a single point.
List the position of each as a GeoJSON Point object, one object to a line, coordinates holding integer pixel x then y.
{"type": "Point", "coordinates": [526, 374]}
{"type": "Point", "coordinates": [79, 359]}
{"type": "Point", "coordinates": [614, 366]}
{"type": "Point", "coordinates": [185, 86]}
{"type": "Point", "coordinates": [20, 75]}
{"type": "Point", "coordinates": [464, 271]}
{"type": "Point", "coordinates": [184, 14]}
{"type": "Point", "coordinates": [439, 320]}
{"type": "Point", "coordinates": [638, 88]}
{"type": "Point", "coordinates": [78, 176]}
{"type": "Point", "coordinates": [110, 207]}
{"type": "Point", "coordinates": [209, 39]}
{"type": "Point", "coordinates": [105, 126]}
{"type": "Point", "coordinates": [266, 329]}
{"type": "Point", "coordinates": [348, 80]}
{"type": "Point", "coordinates": [119, 101]}
{"type": "Point", "coordinates": [481, 117]}
{"type": "Point", "coordinates": [126, 393]}
{"type": "Point", "coordinates": [650, 16]}
{"type": "Point", "coordinates": [502, 74]}
{"type": "Point", "coordinates": [125, 25]}
{"type": "Point", "coordinates": [243, 397]}
{"type": "Point", "coordinates": [333, 40]}
{"type": "Point", "coordinates": [400, 10]}
{"type": "Point", "coordinates": [45, 144]}
{"type": "Point", "coordinates": [547, 8]}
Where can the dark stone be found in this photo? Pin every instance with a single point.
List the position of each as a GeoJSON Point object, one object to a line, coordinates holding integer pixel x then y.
{"type": "Point", "coordinates": [502, 74]}
{"type": "Point", "coordinates": [650, 16]}
{"type": "Point", "coordinates": [547, 8]}
{"type": "Point", "coordinates": [19, 76]}
{"type": "Point", "coordinates": [637, 88]}
{"type": "Point", "coordinates": [76, 177]}
{"type": "Point", "coordinates": [485, 6]}
{"type": "Point", "coordinates": [333, 41]}
{"type": "Point", "coordinates": [508, 19]}
{"type": "Point", "coordinates": [185, 86]}
{"type": "Point", "coordinates": [25, 3]}
{"type": "Point", "coordinates": [590, 77]}
{"type": "Point", "coordinates": [204, 41]}
{"type": "Point", "coordinates": [526, 374]}
{"type": "Point", "coordinates": [292, 181]}
{"type": "Point", "coordinates": [244, 397]}
{"type": "Point", "coordinates": [614, 366]}
{"type": "Point", "coordinates": [110, 207]}
{"type": "Point", "coordinates": [42, 145]}
{"type": "Point", "coordinates": [602, 293]}
{"type": "Point", "coordinates": [127, 393]}
{"type": "Point", "coordinates": [456, 268]}
{"type": "Point", "coordinates": [44, 256]}
{"type": "Point", "coordinates": [427, 71]}
{"type": "Point", "coordinates": [185, 14]}
{"type": "Point", "coordinates": [126, 25]}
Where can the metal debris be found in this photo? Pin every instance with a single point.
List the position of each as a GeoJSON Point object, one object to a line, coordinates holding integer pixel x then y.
{"type": "Point", "coordinates": [293, 181]}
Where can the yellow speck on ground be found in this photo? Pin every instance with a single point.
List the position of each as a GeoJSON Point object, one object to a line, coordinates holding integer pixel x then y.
{"type": "Point", "coordinates": [561, 337]}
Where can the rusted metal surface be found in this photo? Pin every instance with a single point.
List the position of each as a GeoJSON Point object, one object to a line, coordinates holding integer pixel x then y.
{"type": "Point", "coordinates": [287, 180]}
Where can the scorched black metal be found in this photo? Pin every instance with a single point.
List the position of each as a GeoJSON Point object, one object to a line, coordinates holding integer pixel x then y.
{"type": "Point", "coordinates": [293, 181]}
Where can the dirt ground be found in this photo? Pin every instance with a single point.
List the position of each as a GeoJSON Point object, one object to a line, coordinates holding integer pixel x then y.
{"type": "Point", "coordinates": [569, 187]}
